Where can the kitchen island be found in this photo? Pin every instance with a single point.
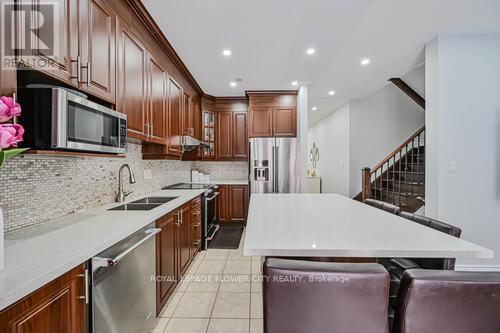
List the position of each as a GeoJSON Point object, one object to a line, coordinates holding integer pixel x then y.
{"type": "Point", "coordinates": [331, 225]}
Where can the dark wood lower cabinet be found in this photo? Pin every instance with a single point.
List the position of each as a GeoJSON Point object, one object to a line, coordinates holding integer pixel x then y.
{"type": "Point", "coordinates": [174, 248]}
{"type": "Point", "coordinates": [166, 258]}
{"type": "Point", "coordinates": [233, 203]}
{"type": "Point", "coordinates": [58, 307]}
{"type": "Point", "coordinates": [184, 239]}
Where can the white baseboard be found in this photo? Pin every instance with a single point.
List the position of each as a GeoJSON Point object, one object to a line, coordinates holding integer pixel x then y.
{"type": "Point", "coordinates": [478, 268]}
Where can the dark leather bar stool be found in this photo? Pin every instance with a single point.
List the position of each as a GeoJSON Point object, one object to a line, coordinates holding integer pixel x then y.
{"type": "Point", "coordinates": [448, 302]}
{"type": "Point", "coordinates": [390, 208]}
{"type": "Point", "coordinates": [397, 266]}
{"type": "Point", "coordinates": [318, 297]}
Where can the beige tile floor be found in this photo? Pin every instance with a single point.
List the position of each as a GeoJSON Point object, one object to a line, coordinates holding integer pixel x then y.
{"type": "Point", "coordinates": [221, 293]}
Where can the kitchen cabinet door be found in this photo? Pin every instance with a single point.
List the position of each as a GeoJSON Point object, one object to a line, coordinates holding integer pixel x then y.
{"type": "Point", "coordinates": [188, 117]}
{"type": "Point", "coordinates": [157, 104]}
{"type": "Point", "coordinates": [261, 121]}
{"type": "Point", "coordinates": [175, 105]}
{"type": "Point", "coordinates": [238, 196]}
{"type": "Point", "coordinates": [195, 226]}
{"type": "Point", "coordinates": [166, 259]}
{"type": "Point", "coordinates": [224, 137]}
{"type": "Point", "coordinates": [184, 239]}
{"type": "Point", "coordinates": [58, 307]}
{"type": "Point", "coordinates": [98, 48]}
{"type": "Point", "coordinates": [222, 202]}
{"type": "Point", "coordinates": [285, 122]}
{"type": "Point", "coordinates": [132, 95]}
{"type": "Point", "coordinates": [55, 62]}
{"type": "Point", "coordinates": [240, 135]}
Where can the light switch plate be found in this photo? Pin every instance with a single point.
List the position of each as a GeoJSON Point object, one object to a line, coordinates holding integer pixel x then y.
{"type": "Point", "coordinates": [452, 167]}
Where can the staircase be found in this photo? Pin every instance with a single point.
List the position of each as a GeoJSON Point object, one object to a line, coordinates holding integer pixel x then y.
{"type": "Point", "coordinates": [399, 178]}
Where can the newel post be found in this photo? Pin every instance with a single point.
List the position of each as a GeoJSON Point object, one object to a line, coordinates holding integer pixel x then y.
{"type": "Point", "coordinates": [366, 184]}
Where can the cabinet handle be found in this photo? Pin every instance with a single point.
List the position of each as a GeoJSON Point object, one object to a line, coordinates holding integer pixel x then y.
{"type": "Point", "coordinates": [14, 100]}
{"type": "Point", "coordinates": [88, 73]}
{"type": "Point", "coordinates": [146, 126]}
{"type": "Point", "coordinates": [196, 225]}
{"type": "Point", "coordinates": [151, 130]}
{"type": "Point", "coordinates": [78, 76]}
{"type": "Point", "coordinates": [182, 219]}
{"type": "Point", "coordinates": [196, 242]}
{"type": "Point", "coordinates": [86, 281]}
{"type": "Point", "coordinates": [178, 219]}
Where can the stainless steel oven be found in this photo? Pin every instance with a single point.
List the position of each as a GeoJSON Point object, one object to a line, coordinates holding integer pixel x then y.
{"type": "Point", "coordinates": [210, 221]}
{"type": "Point", "coordinates": [55, 118]}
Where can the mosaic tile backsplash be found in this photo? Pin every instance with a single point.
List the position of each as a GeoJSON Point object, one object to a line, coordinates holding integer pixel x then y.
{"type": "Point", "coordinates": [36, 189]}
{"type": "Point", "coordinates": [223, 170]}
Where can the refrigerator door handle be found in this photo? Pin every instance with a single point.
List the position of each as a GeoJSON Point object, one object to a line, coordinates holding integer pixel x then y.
{"type": "Point", "coordinates": [276, 166]}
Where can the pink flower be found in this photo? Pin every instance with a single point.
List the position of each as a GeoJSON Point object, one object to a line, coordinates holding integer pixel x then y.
{"type": "Point", "coordinates": [8, 109]}
{"type": "Point", "coordinates": [10, 134]}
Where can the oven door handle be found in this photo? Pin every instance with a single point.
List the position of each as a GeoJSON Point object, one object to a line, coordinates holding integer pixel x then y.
{"type": "Point", "coordinates": [213, 196]}
{"type": "Point", "coordinates": [109, 262]}
{"type": "Point", "coordinates": [209, 238]}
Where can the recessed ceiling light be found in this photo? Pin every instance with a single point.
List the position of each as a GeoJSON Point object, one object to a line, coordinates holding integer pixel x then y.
{"type": "Point", "coordinates": [226, 52]}
{"type": "Point", "coordinates": [233, 84]}
{"type": "Point", "coordinates": [324, 99]}
{"type": "Point", "coordinates": [311, 51]}
{"type": "Point", "coordinates": [295, 83]}
{"type": "Point", "coordinates": [365, 61]}
{"type": "Point", "coordinates": [314, 108]}
{"type": "Point", "coordinates": [331, 93]}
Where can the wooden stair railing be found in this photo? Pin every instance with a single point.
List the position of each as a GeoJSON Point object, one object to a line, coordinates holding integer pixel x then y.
{"type": "Point", "coordinates": [409, 91]}
{"type": "Point", "coordinates": [399, 178]}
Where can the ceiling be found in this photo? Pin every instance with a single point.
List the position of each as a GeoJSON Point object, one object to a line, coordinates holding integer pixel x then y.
{"type": "Point", "coordinates": [269, 39]}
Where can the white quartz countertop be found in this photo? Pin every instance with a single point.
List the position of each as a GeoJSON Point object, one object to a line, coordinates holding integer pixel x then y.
{"type": "Point", "coordinates": [225, 182]}
{"type": "Point", "coordinates": [336, 226]}
{"type": "Point", "coordinates": [38, 255]}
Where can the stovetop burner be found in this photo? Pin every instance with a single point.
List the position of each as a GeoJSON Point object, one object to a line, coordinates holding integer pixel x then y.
{"type": "Point", "coordinates": [188, 186]}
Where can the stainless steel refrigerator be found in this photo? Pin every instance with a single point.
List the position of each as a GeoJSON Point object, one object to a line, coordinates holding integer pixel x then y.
{"type": "Point", "coordinates": [274, 165]}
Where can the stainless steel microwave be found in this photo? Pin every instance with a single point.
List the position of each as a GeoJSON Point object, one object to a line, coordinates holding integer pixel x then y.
{"type": "Point", "coordinates": [57, 119]}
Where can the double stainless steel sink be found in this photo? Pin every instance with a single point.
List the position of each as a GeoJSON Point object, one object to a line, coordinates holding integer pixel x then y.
{"type": "Point", "coordinates": [147, 203]}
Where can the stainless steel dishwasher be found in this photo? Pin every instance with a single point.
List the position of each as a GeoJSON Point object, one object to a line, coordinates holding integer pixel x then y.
{"type": "Point", "coordinates": [123, 291]}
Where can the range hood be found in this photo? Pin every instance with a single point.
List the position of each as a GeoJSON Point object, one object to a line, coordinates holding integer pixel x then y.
{"type": "Point", "coordinates": [189, 143]}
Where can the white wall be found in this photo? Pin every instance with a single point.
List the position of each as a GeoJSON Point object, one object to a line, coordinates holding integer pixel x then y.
{"type": "Point", "coordinates": [361, 133]}
{"type": "Point", "coordinates": [464, 126]}
{"type": "Point", "coordinates": [331, 135]}
{"type": "Point", "coordinates": [380, 123]}
{"type": "Point", "coordinates": [302, 131]}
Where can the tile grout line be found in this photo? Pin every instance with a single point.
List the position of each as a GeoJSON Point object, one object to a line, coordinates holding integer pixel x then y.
{"type": "Point", "coordinates": [216, 295]}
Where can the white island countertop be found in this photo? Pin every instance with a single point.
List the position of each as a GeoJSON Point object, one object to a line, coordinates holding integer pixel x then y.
{"type": "Point", "coordinates": [37, 255]}
{"type": "Point", "coordinates": [331, 225]}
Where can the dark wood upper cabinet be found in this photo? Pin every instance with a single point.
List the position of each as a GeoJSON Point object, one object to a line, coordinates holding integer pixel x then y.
{"type": "Point", "coordinates": [98, 48]}
{"type": "Point", "coordinates": [224, 135]}
{"type": "Point", "coordinates": [59, 65]}
{"type": "Point", "coordinates": [238, 203]}
{"type": "Point", "coordinates": [188, 117]}
{"type": "Point", "coordinates": [240, 135]}
{"type": "Point", "coordinates": [285, 121]}
{"type": "Point", "coordinates": [174, 115]}
{"type": "Point", "coordinates": [166, 258]}
{"type": "Point", "coordinates": [58, 307]}
{"type": "Point", "coordinates": [157, 102]}
{"type": "Point", "coordinates": [132, 96]}
{"type": "Point", "coordinates": [261, 121]}
{"type": "Point", "coordinates": [272, 114]}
